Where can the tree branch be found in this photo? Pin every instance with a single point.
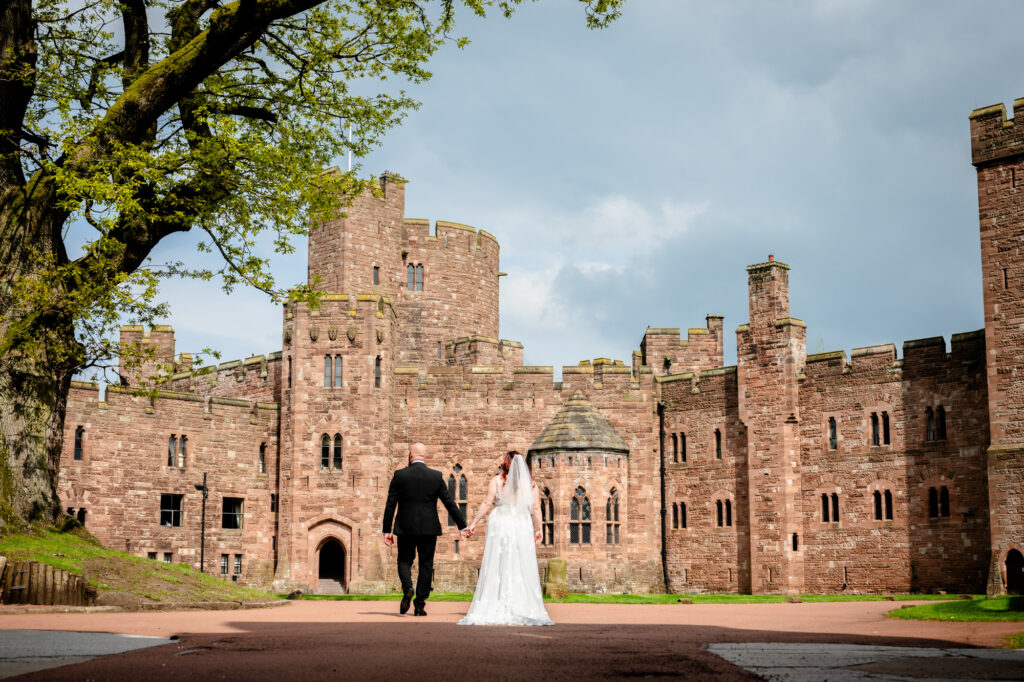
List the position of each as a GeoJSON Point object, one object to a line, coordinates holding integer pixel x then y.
{"type": "Point", "coordinates": [17, 84]}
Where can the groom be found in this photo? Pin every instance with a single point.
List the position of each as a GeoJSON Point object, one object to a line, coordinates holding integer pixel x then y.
{"type": "Point", "coordinates": [415, 490]}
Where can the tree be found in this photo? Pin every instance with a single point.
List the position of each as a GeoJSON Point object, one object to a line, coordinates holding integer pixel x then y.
{"type": "Point", "coordinates": [139, 119]}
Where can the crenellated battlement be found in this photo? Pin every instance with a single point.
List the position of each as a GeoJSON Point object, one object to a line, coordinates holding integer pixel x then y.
{"type": "Point", "coordinates": [995, 137]}
{"type": "Point", "coordinates": [602, 373]}
{"type": "Point", "coordinates": [664, 351]}
{"type": "Point", "coordinates": [965, 348]}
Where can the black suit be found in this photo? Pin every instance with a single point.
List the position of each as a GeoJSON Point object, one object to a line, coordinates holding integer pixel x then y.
{"type": "Point", "coordinates": [415, 490]}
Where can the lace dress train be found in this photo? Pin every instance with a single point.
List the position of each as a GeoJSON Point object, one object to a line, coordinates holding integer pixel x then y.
{"type": "Point", "coordinates": [508, 588]}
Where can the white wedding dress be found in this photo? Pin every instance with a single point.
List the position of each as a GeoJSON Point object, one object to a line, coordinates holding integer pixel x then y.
{"type": "Point", "coordinates": [508, 587]}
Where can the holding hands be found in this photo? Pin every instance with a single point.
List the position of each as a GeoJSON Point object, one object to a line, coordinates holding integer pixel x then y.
{"type": "Point", "coordinates": [468, 531]}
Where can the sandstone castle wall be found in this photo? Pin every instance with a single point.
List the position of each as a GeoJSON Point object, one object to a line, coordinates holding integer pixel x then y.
{"type": "Point", "coordinates": [786, 473]}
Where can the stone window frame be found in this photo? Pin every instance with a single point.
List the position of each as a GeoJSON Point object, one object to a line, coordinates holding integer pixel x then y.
{"type": "Point", "coordinates": [377, 372]}
{"type": "Point", "coordinates": [415, 276]}
{"type": "Point", "coordinates": [458, 490]}
{"type": "Point", "coordinates": [680, 519]}
{"type": "Point", "coordinates": [78, 453]}
{"type": "Point", "coordinates": [936, 423]}
{"type": "Point", "coordinates": [612, 509]}
{"type": "Point", "coordinates": [719, 440]}
{"type": "Point", "coordinates": [880, 414]}
{"type": "Point", "coordinates": [825, 432]}
{"type": "Point", "coordinates": [583, 524]}
{"type": "Point", "coordinates": [261, 459]}
{"type": "Point", "coordinates": [943, 503]}
{"type": "Point", "coordinates": [238, 515]}
{"type": "Point", "coordinates": [177, 451]}
{"type": "Point", "coordinates": [332, 451]}
{"type": "Point", "coordinates": [547, 517]}
{"type": "Point", "coordinates": [678, 453]}
{"type": "Point", "coordinates": [833, 518]}
{"type": "Point", "coordinates": [376, 275]}
{"type": "Point", "coordinates": [171, 509]}
{"type": "Point", "coordinates": [882, 487]}
{"type": "Point", "coordinates": [722, 507]}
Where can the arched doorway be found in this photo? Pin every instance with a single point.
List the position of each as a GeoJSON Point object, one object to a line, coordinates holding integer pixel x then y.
{"type": "Point", "coordinates": [331, 574]}
{"type": "Point", "coordinates": [1015, 572]}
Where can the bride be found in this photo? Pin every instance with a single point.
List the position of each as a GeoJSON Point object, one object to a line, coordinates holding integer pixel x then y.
{"type": "Point", "coordinates": [508, 587]}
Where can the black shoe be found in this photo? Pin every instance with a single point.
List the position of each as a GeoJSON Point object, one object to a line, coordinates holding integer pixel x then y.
{"type": "Point", "coordinates": [419, 611]}
{"type": "Point", "coordinates": [406, 600]}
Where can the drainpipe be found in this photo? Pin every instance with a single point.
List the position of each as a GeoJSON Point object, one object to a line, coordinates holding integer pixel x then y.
{"type": "Point", "coordinates": [664, 513]}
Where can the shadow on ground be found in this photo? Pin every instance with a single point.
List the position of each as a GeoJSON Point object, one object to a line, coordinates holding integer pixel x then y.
{"type": "Point", "coordinates": [413, 649]}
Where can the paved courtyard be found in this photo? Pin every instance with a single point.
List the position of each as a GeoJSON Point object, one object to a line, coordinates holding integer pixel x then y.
{"type": "Point", "coordinates": [313, 640]}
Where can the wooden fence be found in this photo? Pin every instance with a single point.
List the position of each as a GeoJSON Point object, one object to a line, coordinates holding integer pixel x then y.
{"type": "Point", "coordinates": [30, 582]}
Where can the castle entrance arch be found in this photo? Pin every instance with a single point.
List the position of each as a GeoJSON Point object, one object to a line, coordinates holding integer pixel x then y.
{"type": "Point", "coordinates": [1014, 572]}
{"type": "Point", "coordinates": [331, 576]}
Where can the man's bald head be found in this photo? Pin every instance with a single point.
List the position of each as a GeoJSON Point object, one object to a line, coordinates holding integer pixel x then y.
{"type": "Point", "coordinates": [417, 451]}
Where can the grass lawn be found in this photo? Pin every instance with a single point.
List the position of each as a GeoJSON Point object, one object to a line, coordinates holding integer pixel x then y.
{"type": "Point", "coordinates": [978, 609]}
{"type": "Point", "coordinates": [134, 579]}
{"type": "Point", "coordinates": [650, 598]}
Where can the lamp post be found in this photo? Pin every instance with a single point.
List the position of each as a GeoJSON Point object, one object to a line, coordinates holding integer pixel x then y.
{"type": "Point", "coordinates": [202, 528]}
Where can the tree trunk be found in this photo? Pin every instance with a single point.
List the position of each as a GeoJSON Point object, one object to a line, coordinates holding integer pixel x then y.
{"type": "Point", "coordinates": [38, 356]}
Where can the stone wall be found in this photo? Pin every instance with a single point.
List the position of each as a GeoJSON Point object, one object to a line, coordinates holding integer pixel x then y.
{"type": "Point", "coordinates": [124, 469]}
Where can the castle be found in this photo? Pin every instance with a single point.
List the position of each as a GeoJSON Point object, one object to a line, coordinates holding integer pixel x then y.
{"type": "Point", "coordinates": [787, 473]}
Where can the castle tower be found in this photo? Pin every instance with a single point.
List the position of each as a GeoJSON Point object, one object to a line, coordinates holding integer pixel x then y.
{"type": "Point", "coordinates": [997, 151]}
{"type": "Point", "coordinates": [444, 285]}
{"type": "Point", "coordinates": [771, 352]}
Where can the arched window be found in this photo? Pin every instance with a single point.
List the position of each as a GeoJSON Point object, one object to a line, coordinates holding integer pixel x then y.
{"type": "Point", "coordinates": [876, 436]}
{"type": "Point", "coordinates": [940, 423]}
{"type": "Point", "coordinates": [79, 432]}
{"type": "Point", "coordinates": [675, 516]}
{"type": "Point", "coordinates": [261, 463]}
{"type": "Point", "coordinates": [944, 502]}
{"type": "Point", "coordinates": [181, 451]}
{"type": "Point", "coordinates": [458, 490]}
{"type": "Point", "coordinates": [419, 278]}
{"type": "Point", "coordinates": [682, 515]}
{"type": "Point", "coordinates": [376, 372]}
{"type": "Point", "coordinates": [376, 274]}
{"type": "Point", "coordinates": [728, 513]}
{"type": "Point", "coordinates": [547, 518]}
{"type": "Point", "coordinates": [682, 447]}
{"type": "Point", "coordinates": [929, 424]}
{"type": "Point", "coordinates": [933, 503]}
{"type": "Point", "coordinates": [675, 448]}
{"type": "Point", "coordinates": [829, 513]}
{"type": "Point", "coordinates": [337, 451]}
{"type": "Point", "coordinates": [172, 450]}
{"type": "Point", "coordinates": [878, 505]}
{"type": "Point", "coordinates": [337, 371]}
{"type": "Point", "coordinates": [463, 499]}
{"type": "Point", "coordinates": [888, 505]}
{"type": "Point", "coordinates": [611, 515]}
{"type": "Point", "coordinates": [327, 371]}
{"type": "Point", "coordinates": [411, 277]}
{"type": "Point", "coordinates": [833, 436]}
{"type": "Point", "coordinates": [579, 518]}
{"type": "Point", "coordinates": [796, 542]}
{"type": "Point", "coordinates": [81, 516]}
{"type": "Point", "coordinates": [720, 513]}
{"type": "Point", "coordinates": [718, 444]}
{"type": "Point", "coordinates": [325, 451]}
{"type": "Point", "coordinates": [885, 428]}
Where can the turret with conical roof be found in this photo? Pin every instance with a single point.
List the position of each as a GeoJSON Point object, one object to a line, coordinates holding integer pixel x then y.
{"type": "Point", "coordinates": [578, 426]}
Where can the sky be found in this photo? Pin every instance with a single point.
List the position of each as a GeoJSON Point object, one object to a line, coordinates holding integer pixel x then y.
{"type": "Point", "coordinates": [631, 174]}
